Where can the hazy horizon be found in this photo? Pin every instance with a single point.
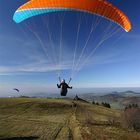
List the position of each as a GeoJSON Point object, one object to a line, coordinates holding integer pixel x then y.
{"type": "Point", "coordinates": [74, 91]}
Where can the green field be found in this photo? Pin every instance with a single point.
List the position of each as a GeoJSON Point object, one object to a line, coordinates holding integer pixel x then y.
{"type": "Point", "coordinates": [60, 119]}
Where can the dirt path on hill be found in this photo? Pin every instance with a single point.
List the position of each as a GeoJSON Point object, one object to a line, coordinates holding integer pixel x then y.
{"type": "Point", "coordinates": [72, 128]}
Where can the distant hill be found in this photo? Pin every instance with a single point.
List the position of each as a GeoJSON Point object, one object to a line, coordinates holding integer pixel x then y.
{"type": "Point", "coordinates": [131, 100]}
{"type": "Point", "coordinates": [117, 100]}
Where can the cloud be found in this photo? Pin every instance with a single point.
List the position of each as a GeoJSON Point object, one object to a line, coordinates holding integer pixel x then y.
{"type": "Point", "coordinates": [31, 56]}
{"type": "Point", "coordinates": [38, 63]}
{"type": "Point", "coordinates": [35, 67]}
{"type": "Point", "coordinates": [20, 56]}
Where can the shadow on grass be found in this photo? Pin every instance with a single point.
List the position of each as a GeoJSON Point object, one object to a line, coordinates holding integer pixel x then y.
{"type": "Point", "coordinates": [20, 138]}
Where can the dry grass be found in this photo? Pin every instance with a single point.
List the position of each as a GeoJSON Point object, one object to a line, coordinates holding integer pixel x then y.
{"type": "Point", "coordinates": [100, 123]}
{"type": "Point", "coordinates": [42, 118]}
{"type": "Point", "coordinates": [49, 119]}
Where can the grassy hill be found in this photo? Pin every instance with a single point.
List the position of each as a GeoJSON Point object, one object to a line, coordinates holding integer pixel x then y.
{"type": "Point", "coordinates": [117, 100]}
{"type": "Point", "coordinates": [60, 119]}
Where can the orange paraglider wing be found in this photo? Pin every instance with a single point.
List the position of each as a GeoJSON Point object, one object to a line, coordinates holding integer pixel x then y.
{"type": "Point", "coordinates": [99, 7]}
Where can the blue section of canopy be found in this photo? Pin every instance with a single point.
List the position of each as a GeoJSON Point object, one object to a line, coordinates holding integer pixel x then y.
{"type": "Point", "coordinates": [21, 15]}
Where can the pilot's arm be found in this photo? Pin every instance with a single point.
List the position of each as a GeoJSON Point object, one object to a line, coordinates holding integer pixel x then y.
{"type": "Point", "coordinates": [68, 86]}
{"type": "Point", "coordinates": [58, 85]}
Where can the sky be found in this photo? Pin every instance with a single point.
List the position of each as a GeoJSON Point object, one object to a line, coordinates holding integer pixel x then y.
{"type": "Point", "coordinates": [34, 53]}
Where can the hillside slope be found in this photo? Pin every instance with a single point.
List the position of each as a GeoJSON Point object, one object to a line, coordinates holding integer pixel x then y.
{"type": "Point", "coordinates": [60, 119]}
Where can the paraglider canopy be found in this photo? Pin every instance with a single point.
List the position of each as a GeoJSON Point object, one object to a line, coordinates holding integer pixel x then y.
{"type": "Point", "coordinates": [81, 35]}
{"type": "Point", "coordinates": [99, 7]}
{"type": "Point", "coordinates": [16, 89]}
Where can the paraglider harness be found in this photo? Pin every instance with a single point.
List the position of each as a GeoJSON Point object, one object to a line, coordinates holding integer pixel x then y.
{"type": "Point", "coordinates": [64, 90]}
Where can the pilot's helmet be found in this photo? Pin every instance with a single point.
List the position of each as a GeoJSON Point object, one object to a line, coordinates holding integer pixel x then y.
{"type": "Point", "coordinates": [63, 81]}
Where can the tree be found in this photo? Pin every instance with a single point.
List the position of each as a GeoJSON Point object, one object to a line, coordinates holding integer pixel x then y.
{"type": "Point", "coordinates": [93, 102]}
{"type": "Point", "coordinates": [106, 105]}
{"type": "Point", "coordinates": [131, 106]}
{"type": "Point", "coordinates": [97, 103]}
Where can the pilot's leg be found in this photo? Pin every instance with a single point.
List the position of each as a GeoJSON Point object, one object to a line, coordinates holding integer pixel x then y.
{"type": "Point", "coordinates": [63, 93]}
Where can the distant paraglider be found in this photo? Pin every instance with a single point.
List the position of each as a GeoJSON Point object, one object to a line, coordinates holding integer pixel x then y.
{"type": "Point", "coordinates": [16, 89]}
